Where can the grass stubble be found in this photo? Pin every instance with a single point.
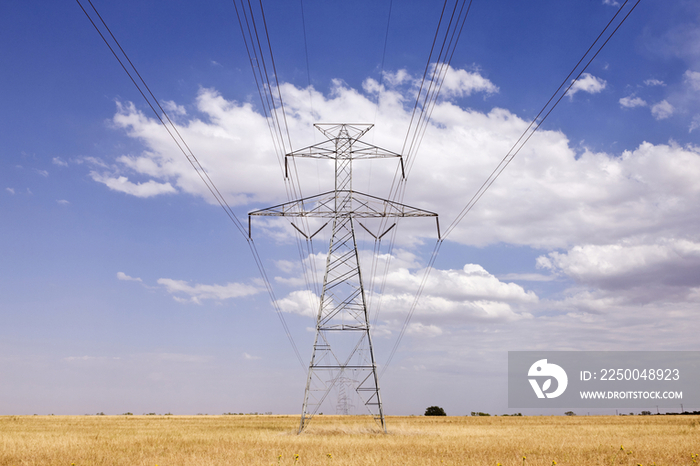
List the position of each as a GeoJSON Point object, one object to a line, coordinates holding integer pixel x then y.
{"type": "Point", "coordinates": [349, 440]}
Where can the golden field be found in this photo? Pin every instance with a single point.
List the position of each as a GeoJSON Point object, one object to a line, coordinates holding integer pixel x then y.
{"type": "Point", "coordinates": [348, 440]}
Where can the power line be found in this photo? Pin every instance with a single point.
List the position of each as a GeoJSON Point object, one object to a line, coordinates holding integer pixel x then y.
{"type": "Point", "coordinates": [306, 53]}
{"type": "Point", "coordinates": [447, 36]}
{"type": "Point", "coordinates": [524, 138]}
{"type": "Point", "coordinates": [381, 69]}
{"type": "Point", "coordinates": [535, 124]}
{"type": "Point", "coordinates": [170, 127]}
{"type": "Point", "coordinates": [259, 49]}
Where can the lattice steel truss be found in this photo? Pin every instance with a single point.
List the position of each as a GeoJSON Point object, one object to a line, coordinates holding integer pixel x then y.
{"type": "Point", "coordinates": [343, 357]}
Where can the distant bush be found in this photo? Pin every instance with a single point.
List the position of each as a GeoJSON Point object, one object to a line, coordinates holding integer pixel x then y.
{"type": "Point", "coordinates": [435, 411]}
{"type": "Point", "coordinates": [570, 413]}
{"type": "Point", "coordinates": [479, 413]}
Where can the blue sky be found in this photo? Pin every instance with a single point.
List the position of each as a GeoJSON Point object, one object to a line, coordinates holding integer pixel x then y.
{"type": "Point", "coordinates": [123, 287]}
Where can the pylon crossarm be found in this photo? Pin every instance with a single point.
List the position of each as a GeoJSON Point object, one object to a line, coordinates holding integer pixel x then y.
{"type": "Point", "coordinates": [364, 206]}
{"type": "Point", "coordinates": [329, 150]}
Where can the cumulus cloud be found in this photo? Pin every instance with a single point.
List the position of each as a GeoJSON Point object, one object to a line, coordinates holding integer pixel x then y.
{"type": "Point", "coordinates": [301, 302]}
{"type": "Point", "coordinates": [632, 101]}
{"type": "Point", "coordinates": [417, 328]}
{"type": "Point", "coordinates": [527, 277]}
{"type": "Point", "coordinates": [454, 297]}
{"type": "Point", "coordinates": [694, 124]}
{"type": "Point", "coordinates": [654, 82]}
{"type": "Point", "coordinates": [587, 83]}
{"type": "Point", "coordinates": [122, 184]}
{"type": "Point", "coordinates": [670, 264]}
{"type": "Point", "coordinates": [692, 78]}
{"type": "Point", "coordinates": [450, 298]}
{"type": "Point", "coordinates": [462, 83]}
{"type": "Point", "coordinates": [457, 82]}
{"type": "Point", "coordinates": [173, 108]}
{"type": "Point", "coordinates": [125, 277]}
{"type": "Point", "coordinates": [184, 292]}
{"type": "Point", "coordinates": [662, 110]}
{"type": "Point", "coordinates": [60, 162]}
{"type": "Point", "coordinates": [471, 283]}
{"type": "Point", "coordinates": [550, 197]}
{"type": "Point", "coordinates": [620, 227]}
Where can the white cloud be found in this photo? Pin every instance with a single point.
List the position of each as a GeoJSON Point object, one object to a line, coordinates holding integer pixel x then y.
{"type": "Point", "coordinates": [122, 184]}
{"type": "Point", "coordinates": [527, 277]}
{"type": "Point", "coordinates": [662, 270]}
{"type": "Point", "coordinates": [198, 292]}
{"type": "Point", "coordinates": [692, 78]}
{"type": "Point", "coordinates": [462, 83]}
{"type": "Point", "coordinates": [173, 108]}
{"type": "Point", "coordinates": [611, 2]}
{"type": "Point", "coordinates": [302, 302]}
{"type": "Point", "coordinates": [632, 101]}
{"type": "Point", "coordinates": [450, 298]}
{"type": "Point", "coordinates": [456, 83]}
{"type": "Point", "coordinates": [250, 357]}
{"type": "Point", "coordinates": [397, 78]}
{"type": "Point", "coordinates": [625, 223]}
{"type": "Point", "coordinates": [10, 190]}
{"type": "Point", "coordinates": [654, 82]}
{"type": "Point", "coordinates": [694, 124]}
{"type": "Point", "coordinates": [550, 197]}
{"type": "Point", "coordinates": [472, 283]}
{"type": "Point", "coordinates": [60, 162]}
{"type": "Point", "coordinates": [123, 276]}
{"type": "Point", "coordinates": [662, 110]}
{"type": "Point", "coordinates": [416, 328]}
{"type": "Point", "coordinates": [80, 358]}
{"type": "Point", "coordinates": [43, 173]}
{"type": "Point", "coordinates": [62, 202]}
{"type": "Point", "coordinates": [587, 83]}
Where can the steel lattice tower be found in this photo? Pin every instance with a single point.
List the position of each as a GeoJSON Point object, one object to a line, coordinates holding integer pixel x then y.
{"type": "Point", "coordinates": [343, 356]}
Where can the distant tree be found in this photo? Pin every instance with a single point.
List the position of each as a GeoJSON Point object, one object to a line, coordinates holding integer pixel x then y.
{"type": "Point", "coordinates": [570, 413]}
{"type": "Point", "coordinates": [435, 411]}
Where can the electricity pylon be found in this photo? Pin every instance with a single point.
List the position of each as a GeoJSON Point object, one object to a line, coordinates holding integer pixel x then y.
{"type": "Point", "coordinates": [342, 352]}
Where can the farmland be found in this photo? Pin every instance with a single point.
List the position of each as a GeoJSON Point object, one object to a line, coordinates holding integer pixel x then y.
{"type": "Point", "coordinates": [348, 440]}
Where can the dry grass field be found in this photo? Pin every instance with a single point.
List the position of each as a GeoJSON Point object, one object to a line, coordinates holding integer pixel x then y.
{"type": "Point", "coordinates": [348, 440]}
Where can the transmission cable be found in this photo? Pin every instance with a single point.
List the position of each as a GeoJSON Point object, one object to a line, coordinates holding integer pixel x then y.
{"type": "Point", "coordinates": [447, 36]}
{"type": "Point", "coordinates": [191, 158]}
{"type": "Point", "coordinates": [259, 49]}
{"type": "Point", "coordinates": [524, 138]}
{"type": "Point", "coordinates": [535, 124]}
